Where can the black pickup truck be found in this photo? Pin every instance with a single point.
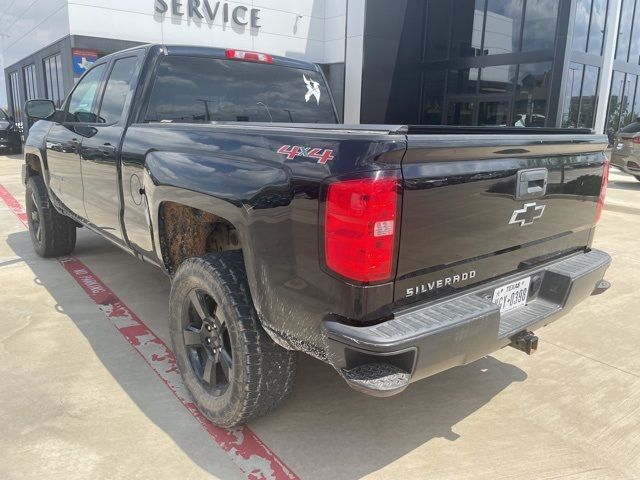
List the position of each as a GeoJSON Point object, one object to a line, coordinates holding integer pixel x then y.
{"type": "Point", "coordinates": [390, 252]}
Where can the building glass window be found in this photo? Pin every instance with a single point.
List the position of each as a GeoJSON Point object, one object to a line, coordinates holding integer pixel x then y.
{"type": "Point", "coordinates": [626, 26]}
{"type": "Point", "coordinates": [634, 48]}
{"type": "Point", "coordinates": [499, 79]}
{"type": "Point", "coordinates": [495, 113]}
{"type": "Point", "coordinates": [597, 27]}
{"type": "Point", "coordinates": [581, 25]}
{"type": "Point", "coordinates": [618, 108]}
{"type": "Point", "coordinates": [540, 20]}
{"type": "Point", "coordinates": [532, 94]}
{"type": "Point", "coordinates": [433, 97]}
{"type": "Point", "coordinates": [16, 102]}
{"type": "Point", "coordinates": [54, 89]}
{"type": "Point", "coordinates": [580, 99]}
{"type": "Point", "coordinates": [636, 103]}
{"type": "Point", "coordinates": [29, 74]}
{"type": "Point", "coordinates": [589, 96]}
{"type": "Point", "coordinates": [463, 81]}
{"type": "Point", "coordinates": [466, 40]}
{"type": "Point", "coordinates": [457, 47]}
{"type": "Point", "coordinates": [503, 27]}
{"type": "Point", "coordinates": [460, 113]}
{"type": "Point", "coordinates": [571, 104]}
{"type": "Point", "coordinates": [437, 30]}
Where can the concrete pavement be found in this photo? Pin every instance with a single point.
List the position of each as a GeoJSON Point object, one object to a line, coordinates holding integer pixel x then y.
{"type": "Point", "coordinates": [77, 402]}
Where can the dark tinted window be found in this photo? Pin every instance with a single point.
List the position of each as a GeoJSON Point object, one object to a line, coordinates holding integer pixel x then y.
{"type": "Point", "coordinates": [115, 92]}
{"type": "Point", "coordinates": [632, 128]}
{"type": "Point", "coordinates": [81, 102]}
{"type": "Point", "coordinates": [193, 89]}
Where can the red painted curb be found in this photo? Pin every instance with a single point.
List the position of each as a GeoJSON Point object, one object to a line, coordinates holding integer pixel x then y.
{"type": "Point", "coordinates": [244, 447]}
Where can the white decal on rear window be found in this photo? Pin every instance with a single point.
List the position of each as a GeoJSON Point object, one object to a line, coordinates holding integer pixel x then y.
{"type": "Point", "coordinates": [313, 89]}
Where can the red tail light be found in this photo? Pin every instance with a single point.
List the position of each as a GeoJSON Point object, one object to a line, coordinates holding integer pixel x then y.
{"type": "Point", "coordinates": [249, 56]}
{"type": "Point", "coordinates": [636, 139]}
{"type": "Point", "coordinates": [361, 228]}
{"type": "Point", "coordinates": [603, 190]}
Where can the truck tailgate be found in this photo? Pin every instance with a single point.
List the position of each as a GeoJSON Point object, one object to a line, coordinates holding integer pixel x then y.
{"type": "Point", "coordinates": [464, 220]}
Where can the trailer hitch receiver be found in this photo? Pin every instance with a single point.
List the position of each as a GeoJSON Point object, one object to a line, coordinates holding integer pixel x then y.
{"type": "Point", "coordinates": [526, 342]}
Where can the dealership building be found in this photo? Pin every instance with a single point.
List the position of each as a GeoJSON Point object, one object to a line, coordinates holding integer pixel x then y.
{"type": "Point", "coordinates": [555, 63]}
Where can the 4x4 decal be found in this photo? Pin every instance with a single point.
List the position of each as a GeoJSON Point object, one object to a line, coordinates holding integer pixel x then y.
{"type": "Point", "coordinates": [292, 152]}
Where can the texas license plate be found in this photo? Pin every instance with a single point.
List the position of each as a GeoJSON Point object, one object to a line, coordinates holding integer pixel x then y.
{"type": "Point", "coordinates": [513, 295]}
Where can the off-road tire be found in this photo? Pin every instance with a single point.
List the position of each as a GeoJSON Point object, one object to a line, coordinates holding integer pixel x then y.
{"type": "Point", "coordinates": [57, 235]}
{"type": "Point", "coordinates": [262, 373]}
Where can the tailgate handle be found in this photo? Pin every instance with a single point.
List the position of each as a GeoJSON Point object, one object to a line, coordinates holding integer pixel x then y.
{"type": "Point", "coordinates": [531, 183]}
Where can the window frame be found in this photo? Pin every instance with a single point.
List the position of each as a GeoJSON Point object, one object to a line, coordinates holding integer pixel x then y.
{"type": "Point", "coordinates": [30, 82]}
{"type": "Point", "coordinates": [52, 69]}
{"type": "Point", "coordinates": [138, 55]}
{"type": "Point", "coordinates": [151, 76]}
{"type": "Point", "coordinates": [99, 90]}
{"type": "Point", "coordinates": [16, 95]}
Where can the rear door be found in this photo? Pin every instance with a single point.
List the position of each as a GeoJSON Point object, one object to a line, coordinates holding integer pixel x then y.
{"type": "Point", "coordinates": [479, 206]}
{"type": "Point", "coordinates": [100, 151]}
{"type": "Point", "coordinates": [63, 141]}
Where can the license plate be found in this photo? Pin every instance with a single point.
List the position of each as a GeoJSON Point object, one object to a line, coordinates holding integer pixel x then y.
{"type": "Point", "coordinates": [512, 295]}
{"type": "Point", "coordinates": [620, 146]}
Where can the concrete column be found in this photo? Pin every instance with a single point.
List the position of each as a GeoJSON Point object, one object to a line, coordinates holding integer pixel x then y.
{"type": "Point", "coordinates": [354, 60]}
{"type": "Point", "coordinates": [606, 74]}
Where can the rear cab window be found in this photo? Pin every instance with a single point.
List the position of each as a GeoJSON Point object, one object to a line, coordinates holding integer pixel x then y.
{"type": "Point", "coordinates": [200, 89]}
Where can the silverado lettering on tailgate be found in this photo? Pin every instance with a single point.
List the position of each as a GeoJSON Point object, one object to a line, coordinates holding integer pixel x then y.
{"type": "Point", "coordinates": [443, 282]}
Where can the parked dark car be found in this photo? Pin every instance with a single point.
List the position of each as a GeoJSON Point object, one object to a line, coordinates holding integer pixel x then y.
{"type": "Point", "coordinates": [9, 134]}
{"type": "Point", "coordinates": [626, 149]}
{"type": "Point", "coordinates": [390, 252]}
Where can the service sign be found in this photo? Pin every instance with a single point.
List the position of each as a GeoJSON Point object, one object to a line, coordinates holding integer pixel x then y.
{"type": "Point", "coordinates": [209, 11]}
{"type": "Point", "coordinates": [82, 60]}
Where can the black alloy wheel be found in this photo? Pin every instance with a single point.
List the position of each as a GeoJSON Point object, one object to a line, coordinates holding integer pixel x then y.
{"type": "Point", "coordinates": [206, 339]}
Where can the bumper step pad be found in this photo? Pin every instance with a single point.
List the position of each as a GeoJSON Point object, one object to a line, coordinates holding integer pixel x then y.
{"type": "Point", "coordinates": [382, 378]}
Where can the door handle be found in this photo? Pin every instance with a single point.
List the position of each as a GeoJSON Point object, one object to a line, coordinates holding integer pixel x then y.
{"type": "Point", "coordinates": [107, 149]}
{"type": "Point", "coordinates": [531, 183]}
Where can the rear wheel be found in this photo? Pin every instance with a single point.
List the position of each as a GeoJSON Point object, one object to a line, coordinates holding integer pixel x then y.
{"type": "Point", "coordinates": [52, 234]}
{"type": "Point", "coordinates": [231, 367]}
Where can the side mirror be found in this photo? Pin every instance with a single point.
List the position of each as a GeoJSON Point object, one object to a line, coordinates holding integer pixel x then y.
{"type": "Point", "coordinates": [40, 109]}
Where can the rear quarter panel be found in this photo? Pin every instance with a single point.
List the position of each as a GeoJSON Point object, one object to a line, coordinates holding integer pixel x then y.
{"type": "Point", "coordinates": [236, 173]}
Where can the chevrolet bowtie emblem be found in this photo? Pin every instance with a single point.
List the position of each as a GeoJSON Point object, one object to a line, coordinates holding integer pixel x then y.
{"type": "Point", "coordinates": [526, 215]}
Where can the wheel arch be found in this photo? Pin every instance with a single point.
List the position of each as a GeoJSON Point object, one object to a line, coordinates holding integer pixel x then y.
{"type": "Point", "coordinates": [188, 224]}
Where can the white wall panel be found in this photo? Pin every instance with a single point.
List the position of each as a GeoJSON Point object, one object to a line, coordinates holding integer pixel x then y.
{"type": "Point", "coordinates": [309, 8]}
{"type": "Point", "coordinates": [106, 22]}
